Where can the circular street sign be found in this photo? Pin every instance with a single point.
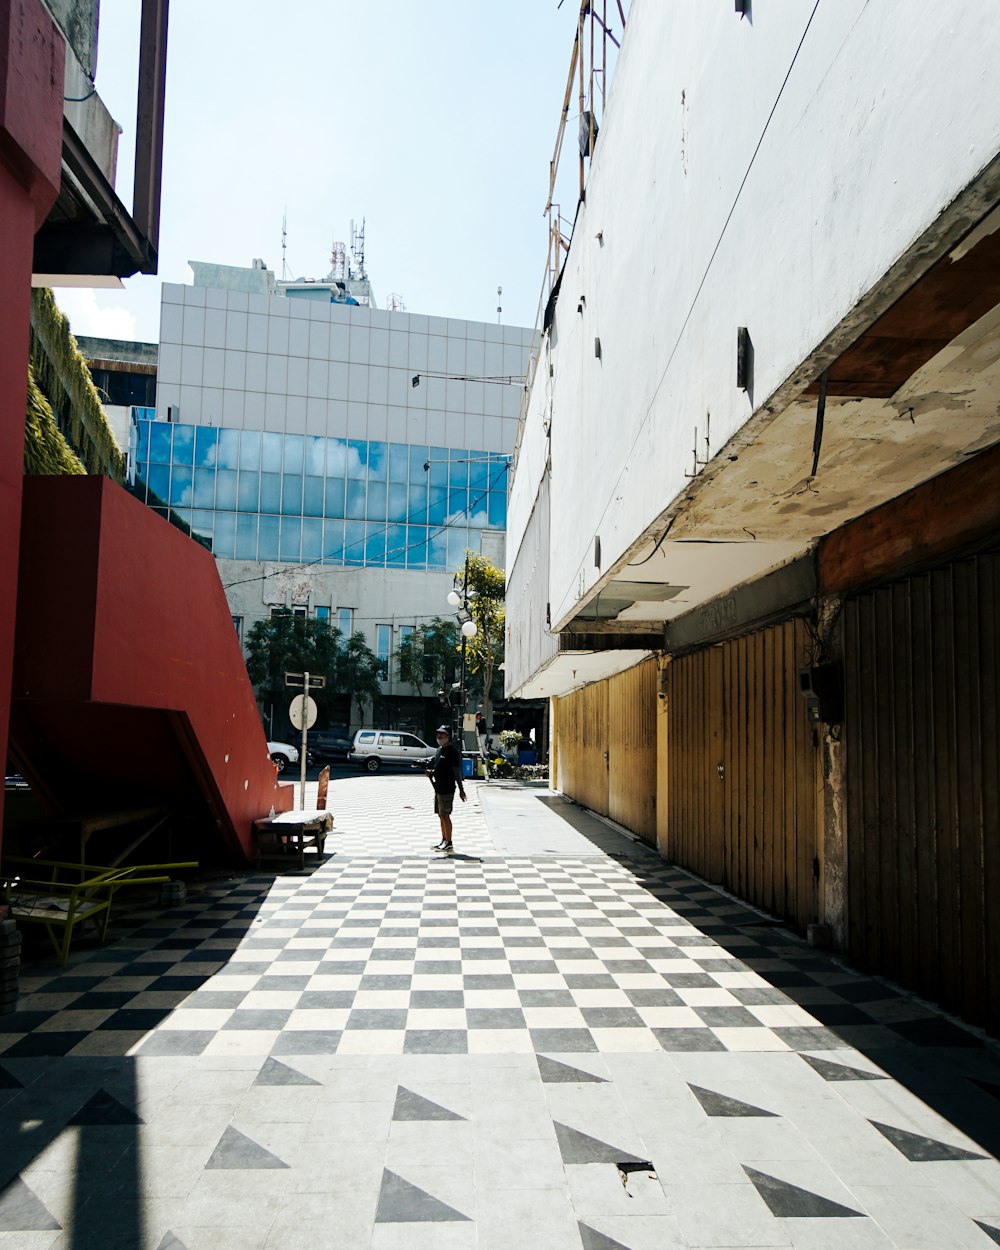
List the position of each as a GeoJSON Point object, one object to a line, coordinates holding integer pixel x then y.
{"type": "Point", "coordinates": [296, 714]}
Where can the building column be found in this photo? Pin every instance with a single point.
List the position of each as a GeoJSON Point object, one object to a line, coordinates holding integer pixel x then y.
{"type": "Point", "coordinates": [32, 57]}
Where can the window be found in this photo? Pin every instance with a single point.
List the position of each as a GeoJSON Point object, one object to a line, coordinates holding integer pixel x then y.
{"type": "Point", "coordinates": [345, 621]}
{"type": "Point", "coordinates": [300, 610]}
{"type": "Point", "coordinates": [383, 643]}
{"type": "Point", "coordinates": [238, 623]}
{"type": "Point", "coordinates": [323, 614]}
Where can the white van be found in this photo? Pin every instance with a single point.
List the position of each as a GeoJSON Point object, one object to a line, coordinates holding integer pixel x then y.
{"type": "Point", "coordinates": [376, 748]}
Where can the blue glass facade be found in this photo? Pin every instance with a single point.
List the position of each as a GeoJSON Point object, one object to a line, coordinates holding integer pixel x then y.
{"type": "Point", "coordinates": [307, 499]}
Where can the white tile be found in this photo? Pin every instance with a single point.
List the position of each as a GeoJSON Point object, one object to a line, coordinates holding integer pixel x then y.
{"type": "Point", "coordinates": [274, 411]}
{"type": "Point", "coordinates": [238, 301]}
{"type": "Point", "coordinates": [236, 331]}
{"type": "Point", "coordinates": [416, 358]}
{"type": "Point", "coordinates": [499, 1041]}
{"type": "Point", "coordinates": [242, 1042]}
{"type": "Point", "coordinates": [340, 342]}
{"type": "Point", "coordinates": [457, 329]}
{"type": "Point", "coordinates": [670, 1017]}
{"type": "Point", "coordinates": [169, 365]}
{"type": "Point", "coordinates": [554, 1018]}
{"type": "Point", "coordinates": [298, 337]}
{"type": "Point", "coordinates": [337, 380]}
{"type": "Point", "coordinates": [256, 371]}
{"type": "Point", "coordinates": [171, 323]}
{"type": "Point", "coordinates": [437, 353]}
{"type": "Point", "coordinates": [235, 371]}
{"type": "Point", "coordinates": [398, 349]}
{"type": "Point", "coordinates": [357, 383]}
{"type": "Point", "coordinates": [319, 340]}
{"type": "Point", "coordinates": [256, 333]}
{"type": "Point", "coordinates": [298, 375]}
{"type": "Point", "coordinates": [749, 1039]}
{"type": "Point", "coordinates": [625, 1040]}
{"type": "Point", "coordinates": [295, 414]}
{"type": "Point", "coordinates": [172, 293]}
{"type": "Point", "coordinates": [493, 359]}
{"type": "Point", "coordinates": [378, 346]}
{"type": "Point", "coordinates": [436, 1018]}
{"type": "Point", "coordinates": [213, 367]}
{"type": "Point", "coordinates": [378, 386]}
{"type": "Point", "coordinates": [215, 327]}
{"type": "Point", "coordinates": [455, 355]}
{"type": "Point", "coordinates": [378, 423]}
{"type": "Point", "coordinates": [396, 425]}
{"type": "Point", "coordinates": [398, 387]}
{"type": "Point", "coordinates": [277, 373]}
{"type": "Point", "coordinates": [359, 344]}
{"type": "Point", "coordinates": [190, 402]}
{"type": "Point", "coordinates": [316, 424]}
{"type": "Point", "coordinates": [437, 325]}
{"type": "Point", "coordinates": [212, 398]}
{"type": "Point", "coordinates": [194, 325]}
{"type": "Point", "coordinates": [316, 381]}
{"type": "Point", "coordinates": [253, 410]}
{"type": "Point", "coordinates": [328, 1018]}
{"type": "Point", "coordinates": [371, 1042]}
{"type": "Point", "coordinates": [233, 403]}
{"type": "Point", "coordinates": [277, 335]}
{"type": "Point", "coordinates": [192, 361]}
{"type": "Point", "coordinates": [216, 298]}
{"type": "Point", "coordinates": [493, 439]}
{"type": "Point", "coordinates": [194, 1018]}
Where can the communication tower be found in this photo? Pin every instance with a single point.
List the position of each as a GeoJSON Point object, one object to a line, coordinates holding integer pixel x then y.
{"type": "Point", "coordinates": [394, 302]}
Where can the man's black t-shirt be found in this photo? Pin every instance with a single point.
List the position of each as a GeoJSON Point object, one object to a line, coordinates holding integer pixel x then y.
{"type": "Point", "coordinates": [446, 771]}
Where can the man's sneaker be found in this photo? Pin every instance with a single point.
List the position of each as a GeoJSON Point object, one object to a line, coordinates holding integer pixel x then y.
{"type": "Point", "coordinates": [439, 846]}
{"type": "Point", "coordinates": [447, 849]}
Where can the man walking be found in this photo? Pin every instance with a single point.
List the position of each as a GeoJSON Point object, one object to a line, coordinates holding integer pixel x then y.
{"type": "Point", "coordinates": [445, 773]}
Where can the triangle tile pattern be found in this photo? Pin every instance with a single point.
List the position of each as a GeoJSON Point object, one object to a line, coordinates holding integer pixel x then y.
{"type": "Point", "coordinates": [577, 1147]}
{"type": "Point", "coordinates": [236, 1151]}
{"type": "Point", "coordinates": [722, 1104]}
{"type": "Point", "coordinates": [275, 1073]}
{"type": "Point", "coordinates": [104, 1109]}
{"type": "Point", "coordinates": [21, 1211]}
{"type": "Point", "coordinates": [9, 1081]}
{"type": "Point", "coordinates": [411, 1106]}
{"type": "Point", "coordinates": [593, 1240]}
{"type": "Point", "coordinates": [400, 1202]}
{"type": "Point", "coordinates": [553, 1072]}
{"type": "Point", "coordinates": [840, 1072]}
{"type": "Point", "coordinates": [792, 1202]}
{"type": "Point", "coordinates": [170, 1242]}
{"type": "Point", "coordinates": [920, 1149]}
{"type": "Point", "coordinates": [988, 1229]}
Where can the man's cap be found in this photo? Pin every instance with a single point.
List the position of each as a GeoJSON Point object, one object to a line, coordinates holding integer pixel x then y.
{"type": "Point", "coordinates": [442, 729]}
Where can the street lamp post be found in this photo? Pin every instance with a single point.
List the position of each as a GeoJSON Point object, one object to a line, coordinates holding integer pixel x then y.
{"type": "Point", "coordinates": [459, 598]}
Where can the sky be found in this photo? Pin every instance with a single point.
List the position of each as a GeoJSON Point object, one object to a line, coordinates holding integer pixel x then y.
{"type": "Point", "coordinates": [434, 122]}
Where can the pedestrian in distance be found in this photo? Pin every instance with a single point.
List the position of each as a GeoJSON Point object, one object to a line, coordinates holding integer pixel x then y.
{"type": "Point", "coordinates": [446, 774]}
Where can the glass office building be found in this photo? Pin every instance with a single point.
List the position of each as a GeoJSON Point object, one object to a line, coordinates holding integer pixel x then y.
{"type": "Point", "coordinates": [307, 499]}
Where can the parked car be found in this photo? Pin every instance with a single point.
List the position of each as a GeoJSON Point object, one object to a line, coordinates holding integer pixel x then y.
{"type": "Point", "coordinates": [330, 744]}
{"type": "Point", "coordinates": [375, 748]}
{"type": "Point", "coordinates": [283, 755]}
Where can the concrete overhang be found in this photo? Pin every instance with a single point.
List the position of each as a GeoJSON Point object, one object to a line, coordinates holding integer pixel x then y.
{"type": "Point", "coordinates": [911, 392]}
{"type": "Point", "coordinates": [569, 670]}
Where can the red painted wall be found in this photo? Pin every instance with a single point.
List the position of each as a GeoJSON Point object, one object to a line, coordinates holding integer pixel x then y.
{"type": "Point", "coordinates": [129, 681]}
{"type": "Point", "coordinates": [32, 55]}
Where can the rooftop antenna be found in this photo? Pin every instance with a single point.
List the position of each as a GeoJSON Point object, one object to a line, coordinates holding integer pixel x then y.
{"type": "Point", "coordinates": [499, 309]}
{"type": "Point", "coordinates": [284, 244]}
{"type": "Point", "coordinates": [358, 247]}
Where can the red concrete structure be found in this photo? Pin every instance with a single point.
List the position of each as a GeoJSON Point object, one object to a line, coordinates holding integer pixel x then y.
{"type": "Point", "coordinates": [129, 681]}
{"type": "Point", "coordinates": [32, 56]}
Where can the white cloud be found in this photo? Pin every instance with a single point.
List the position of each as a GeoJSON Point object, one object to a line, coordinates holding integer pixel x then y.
{"type": "Point", "coordinates": [92, 315]}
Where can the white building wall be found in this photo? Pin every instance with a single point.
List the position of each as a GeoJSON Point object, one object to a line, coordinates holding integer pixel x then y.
{"type": "Point", "coordinates": [304, 367]}
{"type": "Point", "coordinates": [762, 173]}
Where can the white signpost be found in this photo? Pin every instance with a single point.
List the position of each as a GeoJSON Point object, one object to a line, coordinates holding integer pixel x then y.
{"type": "Point", "coordinates": [302, 713]}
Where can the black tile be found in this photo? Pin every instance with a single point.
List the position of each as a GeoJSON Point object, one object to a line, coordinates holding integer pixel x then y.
{"type": "Point", "coordinates": [237, 969]}
{"type": "Point", "coordinates": [495, 1018]}
{"type": "Point", "coordinates": [788, 1201]}
{"type": "Point", "coordinates": [716, 1104]}
{"type": "Point", "coordinates": [177, 982]}
{"type": "Point", "coordinates": [104, 1109]}
{"type": "Point", "coordinates": [138, 1019]}
{"type": "Point", "coordinates": [934, 1032]}
{"type": "Point", "coordinates": [563, 1041]}
{"type": "Point", "coordinates": [215, 1000]}
{"type": "Point", "coordinates": [24, 1021]}
{"type": "Point", "coordinates": [617, 967]}
{"type": "Point", "coordinates": [436, 999]}
{"type": "Point", "coordinates": [687, 1039]}
{"type": "Point", "coordinates": [840, 1072]}
{"type": "Point", "coordinates": [654, 998]}
{"type": "Point", "coordinates": [728, 1017]}
{"type": "Point", "coordinates": [257, 1018]}
{"type": "Point", "coordinates": [384, 953]}
{"type": "Point", "coordinates": [306, 1042]}
{"type": "Point", "coordinates": [865, 991]}
{"type": "Point", "coordinates": [591, 981]}
{"type": "Point", "coordinates": [804, 1038]}
{"type": "Point", "coordinates": [760, 996]}
{"type": "Point", "coordinates": [386, 981]}
{"type": "Point", "coordinates": [99, 1000]}
{"type": "Point", "coordinates": [377, 1018]}
{"type": "Point", "coordinates": [920, 1149]}
{"type": "Point", "coordinates": [553, 1072]}
{"type": "Point", "coordinates": [42, 1045]}
{"type": "Point", "coordinates": [546, 998]}
{"type": "Point", "coordinates": [435, 1042]}
{"type": "Point", "coordinates": [488, 981]}
{"type": "Point", "coordinates": [533, 967]}
{"type": "Point", "coordinates": [283, 983]}
{"type": "Point", "coordinates": [573, 952]}
{"type": "Point", "coordinates": [612, 1018]}
{"type": "Point", "coordinates": [322, 1000]}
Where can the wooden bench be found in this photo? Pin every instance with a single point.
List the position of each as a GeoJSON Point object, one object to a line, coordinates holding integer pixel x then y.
{"type": "Point", "coordinates": [284, 838]}
{"type": "Point", "coordinates": [59, 895]}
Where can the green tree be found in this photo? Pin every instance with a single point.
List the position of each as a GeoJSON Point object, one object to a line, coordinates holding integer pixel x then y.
{"type": "Point", "coordinates": [285, 643]}
{"type": "Point", "coordinates": [484, 653]}
{"type": "Point", "coordinates": [429, 655]}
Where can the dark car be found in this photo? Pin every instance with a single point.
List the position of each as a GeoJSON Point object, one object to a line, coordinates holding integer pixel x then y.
{"type": "Point", "coordinates": [330, 744]}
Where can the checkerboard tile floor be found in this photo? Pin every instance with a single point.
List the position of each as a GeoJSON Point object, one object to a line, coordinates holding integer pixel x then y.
{"type": "Point", "coordinates": [398, 1049]}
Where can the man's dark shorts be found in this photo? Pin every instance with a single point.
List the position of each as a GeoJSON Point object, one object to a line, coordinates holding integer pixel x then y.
{"type": "Point", "coordinates": [444, 803]}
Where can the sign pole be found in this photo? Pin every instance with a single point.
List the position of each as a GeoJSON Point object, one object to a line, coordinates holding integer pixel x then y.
{"type": "Point", "coordinates": [305, 738]}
